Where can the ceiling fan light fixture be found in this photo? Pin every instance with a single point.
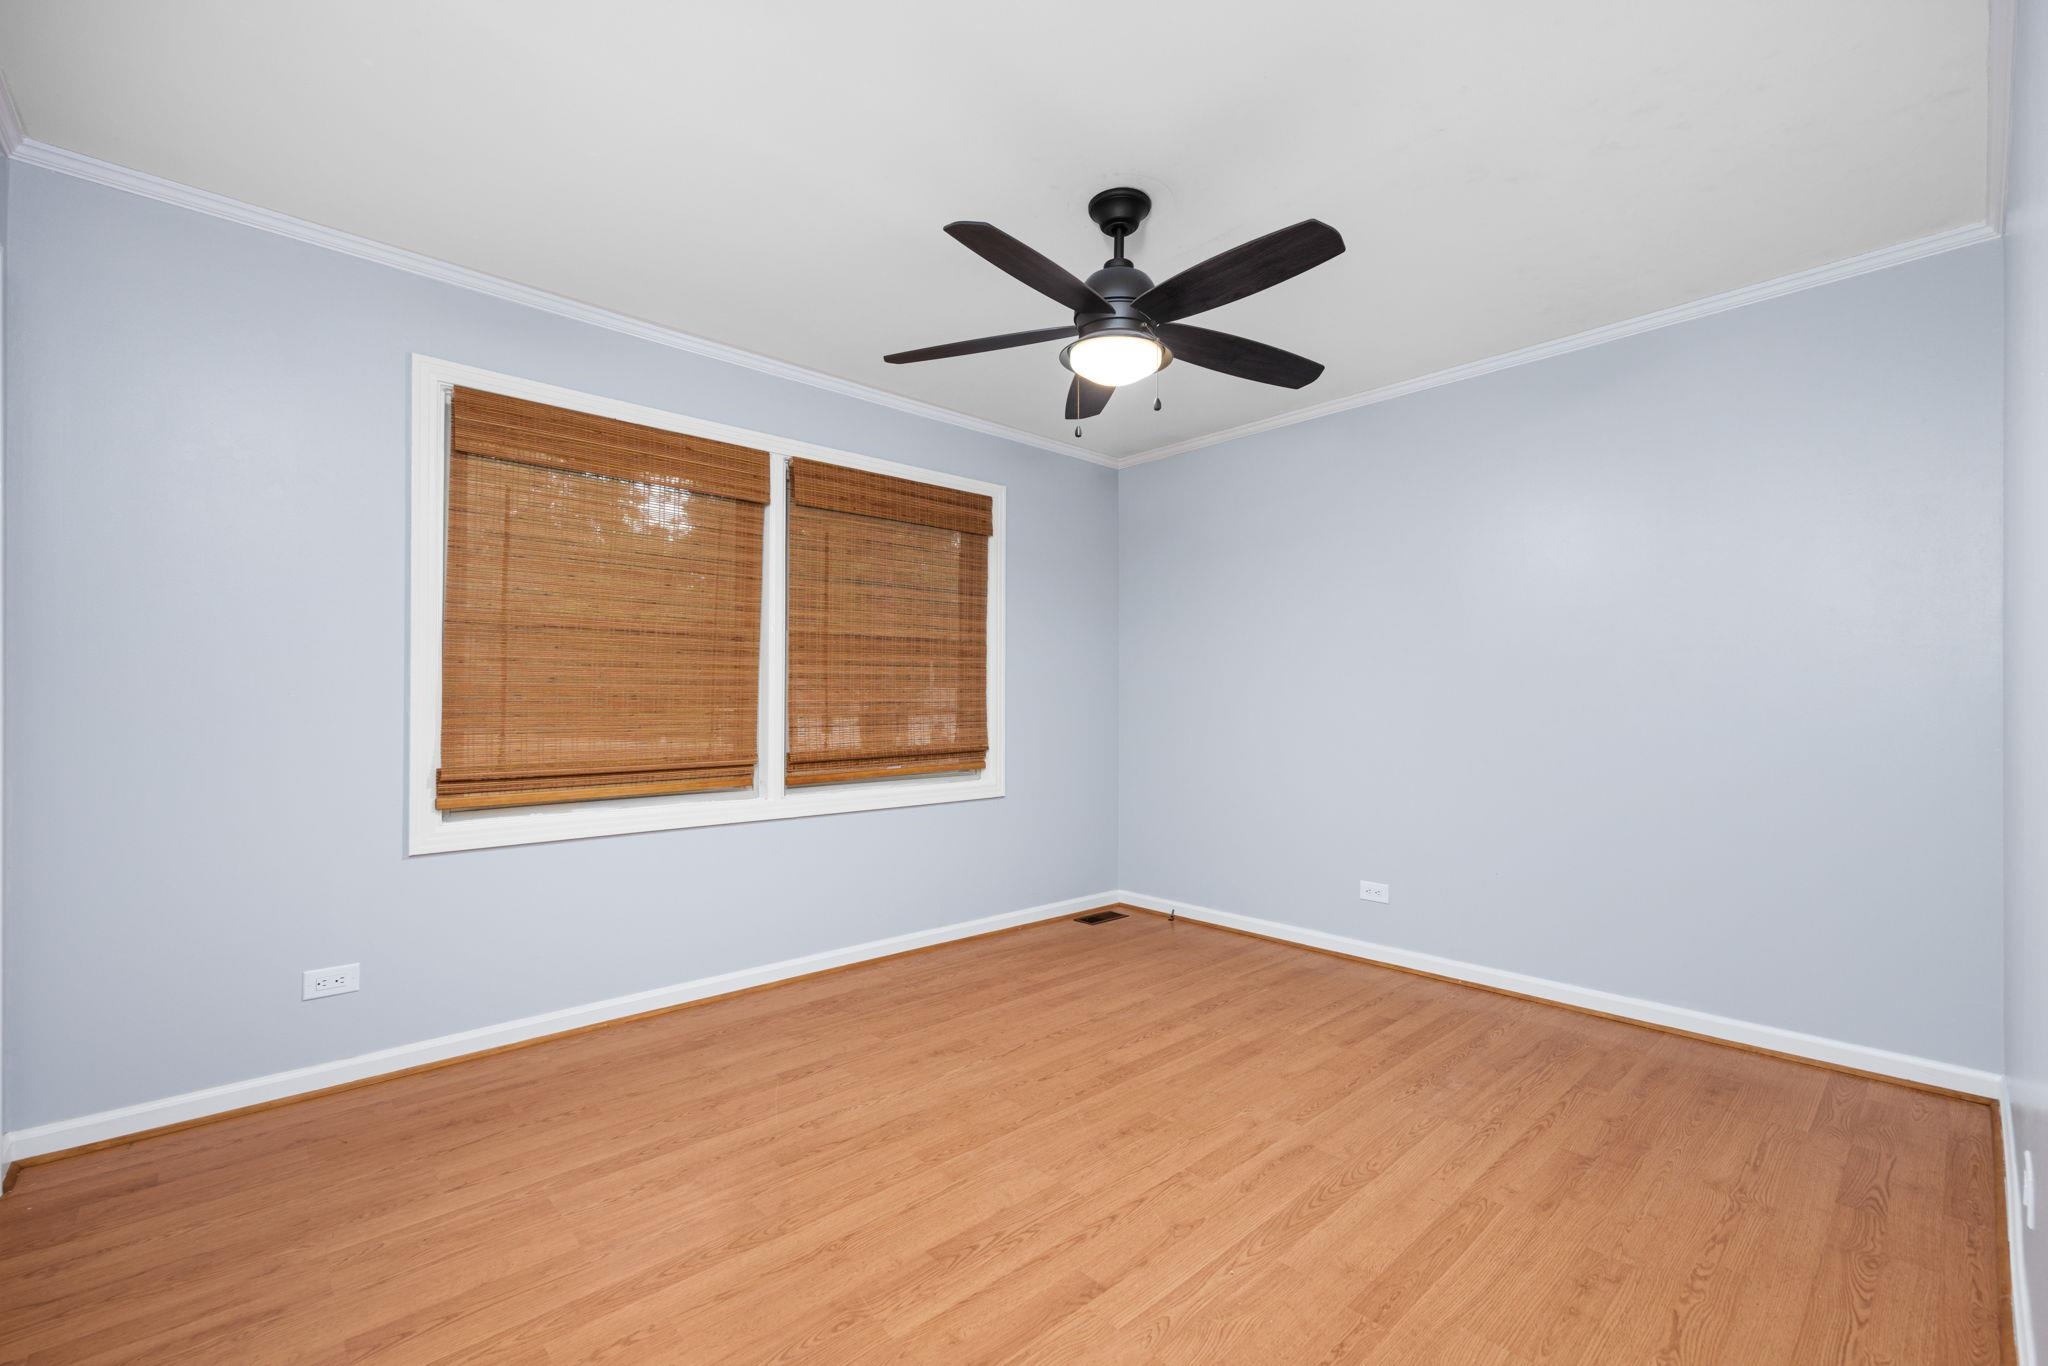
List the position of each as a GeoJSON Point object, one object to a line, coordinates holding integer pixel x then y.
{"type": "Point", "coordinates": [1114, 358]}
{"type": "Point", "coordinates": [1126, 327]}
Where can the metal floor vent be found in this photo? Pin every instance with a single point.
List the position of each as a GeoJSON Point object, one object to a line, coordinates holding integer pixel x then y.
{"type": "Point", "coordinates": [1098, 917]}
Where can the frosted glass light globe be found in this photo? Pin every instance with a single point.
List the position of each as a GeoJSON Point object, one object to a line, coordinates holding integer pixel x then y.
{"type": "Point", "coordinates": [1114, 358]}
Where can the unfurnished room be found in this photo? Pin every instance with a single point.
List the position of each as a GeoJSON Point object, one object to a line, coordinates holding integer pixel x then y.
{"type": "Point", "coordinates": [1057, 683]}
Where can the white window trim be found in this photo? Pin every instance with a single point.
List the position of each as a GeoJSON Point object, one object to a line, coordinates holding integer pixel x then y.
{"type": "Point", "coordinates": [430, 831]}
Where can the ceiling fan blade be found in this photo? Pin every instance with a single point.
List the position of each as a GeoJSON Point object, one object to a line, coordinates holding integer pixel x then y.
{"type": "Point", "coordinates": [980, 344]}
{"type": "Point", "coordinates": [1012, 257]}
{"type": "Point", "coordinates": [1228, 276]}
{"type": "Point", "coordinates": [1085, 398]}
{"type": "Point", "coordinates": [1240, 356]}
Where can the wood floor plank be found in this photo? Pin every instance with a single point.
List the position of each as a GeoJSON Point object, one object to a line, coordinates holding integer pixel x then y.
{"type": "Point", "coordinates": [1136, 1142]}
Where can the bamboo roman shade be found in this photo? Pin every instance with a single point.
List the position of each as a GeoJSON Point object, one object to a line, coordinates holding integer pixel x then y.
{"type": "Point", "coordinates": [888, 626]}
{"type": "Point", "coordinates": [601, 631]}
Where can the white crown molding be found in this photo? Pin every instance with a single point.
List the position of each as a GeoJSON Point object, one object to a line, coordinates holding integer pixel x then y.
{"type": "Point", "coordinates": [32, 153]}
{"type": "Point", "coordinates": [1861, 1057]}
{"type": "Point", "coordinates": [1648, 322]}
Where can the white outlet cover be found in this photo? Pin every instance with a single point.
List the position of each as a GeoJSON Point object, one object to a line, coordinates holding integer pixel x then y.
{"type": "Point", "coordinates": [1374, 891]}
{"type": "Point", "coordinates": [333, 981]}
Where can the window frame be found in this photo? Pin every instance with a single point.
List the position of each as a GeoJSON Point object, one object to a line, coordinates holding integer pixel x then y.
{"type": "Point", "coordinates": [432, 831]}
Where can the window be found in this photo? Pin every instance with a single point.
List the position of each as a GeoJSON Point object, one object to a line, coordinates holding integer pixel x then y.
{"type": "Point", "coordinates": [888, 610]}
{"type": "Point", "coordinates": [601, 620]}
{"type": "Point", "coordinates": [627, 620]}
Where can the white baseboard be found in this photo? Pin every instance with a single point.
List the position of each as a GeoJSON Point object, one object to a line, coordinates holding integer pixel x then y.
{"type": "Point", "coordinates": [1905, 1067]}
{"type": "Point", "coordinates": [130, 1119]}
{"type": "Point", "coordinates": [2015, 1234]}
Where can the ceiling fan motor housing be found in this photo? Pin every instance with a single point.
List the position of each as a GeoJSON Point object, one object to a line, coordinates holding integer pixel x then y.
{"type": "Point", "coordinates": [1120, 285]}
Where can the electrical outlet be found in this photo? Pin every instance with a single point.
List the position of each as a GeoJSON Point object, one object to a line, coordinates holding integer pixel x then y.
{"type": "Point", "coordinates": [1372, 891]}
{"type": "Point", "coordinates": [2027, 1185]}
{"type": "Point", "coordinates": [332, 981]}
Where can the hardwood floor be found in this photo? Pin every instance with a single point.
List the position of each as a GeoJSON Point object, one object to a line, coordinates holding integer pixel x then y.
{"type": "Point", "coordinates": [1133, 1142]}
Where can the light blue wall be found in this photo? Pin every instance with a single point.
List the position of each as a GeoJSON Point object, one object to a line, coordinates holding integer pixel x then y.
{"type": "Point", "coordinates": [2026, 624]}
{"type": "Point", "coordinates": [206, 598]}
{"type": "Point", "coordinates": [1669, 667]}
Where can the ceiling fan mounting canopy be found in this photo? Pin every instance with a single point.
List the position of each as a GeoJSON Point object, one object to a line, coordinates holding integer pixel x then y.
{"type": "Point", "coordinates": [1125, 327]}
{"type": "Point", "coordinates": [1118, 212]}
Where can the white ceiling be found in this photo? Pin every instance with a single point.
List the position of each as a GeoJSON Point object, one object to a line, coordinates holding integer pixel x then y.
{"type": "Point", "coordinates": [774, 176]}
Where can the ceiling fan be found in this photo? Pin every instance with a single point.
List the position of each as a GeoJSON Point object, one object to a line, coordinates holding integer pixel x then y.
{"type": "Point", "coordinates": [1125, 327]}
